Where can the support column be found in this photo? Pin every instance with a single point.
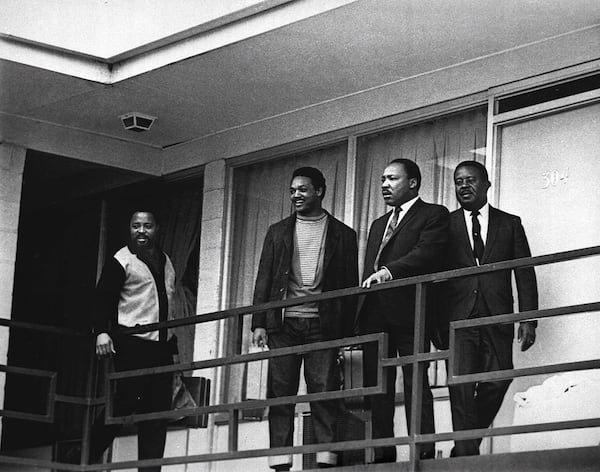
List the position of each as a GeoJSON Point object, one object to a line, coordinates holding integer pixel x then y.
{"type": "Point", "coordinates": [211, 277]}
{"type": "Point", "coordinates": [12, 162]}
{"type": "Point", "coordinates": [212, 245]}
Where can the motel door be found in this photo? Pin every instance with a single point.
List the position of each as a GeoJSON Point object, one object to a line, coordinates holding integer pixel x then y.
{"type": "Point", "coordinates": [549, 175]}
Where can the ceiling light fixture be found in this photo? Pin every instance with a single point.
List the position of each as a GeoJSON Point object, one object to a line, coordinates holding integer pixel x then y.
{"type": "Point", "coordinates": [137, 122]}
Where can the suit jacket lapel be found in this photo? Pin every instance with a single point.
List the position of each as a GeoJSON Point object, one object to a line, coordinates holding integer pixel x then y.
{"type": "Point", "coordinates": [491, 234]}
{"type": "Point", "coordinates": [331, 240]}
{"type": "Point", "coordinates": [288, 235]}
{"type": "Point", "coordinates": [410, 214]}
{"type": "Point", "coordinates": [463, 233]}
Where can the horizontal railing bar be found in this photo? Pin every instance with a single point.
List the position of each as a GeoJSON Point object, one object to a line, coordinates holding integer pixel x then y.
{"type": "Point", "coordinates": [40, 327]}
{"type": "Point", "coordinates": [79, 400]}
{"type": "Point", "coordinates": [353, 291]}
{"type": "Point", "coordinates": [11, 369]}
{"type": "Point", "coordinates": [312, 448]}
{"type": "Point", "coordinates": [422, 357]}
{"type": "Point", "coordinates": [20, 415]}
{"type": "Point", "coordinates": [339, 446]}
{"type": "Point", "coordinates": [525, 315]}
{"type": "Point", "coordinates": [247, 405]}
{"type": "Point", "coordinates": [523, 372]}
{"type": "Point", "coordinates": [357, 291]}
{"type": "Point", "coordinates": [509, 430]}
{"type": "Point", "coordinates": [41, 463]}
{"type": "Point", "coordinates": [249, 454]}
{"type": "Point", "coordinates": [255, 356]}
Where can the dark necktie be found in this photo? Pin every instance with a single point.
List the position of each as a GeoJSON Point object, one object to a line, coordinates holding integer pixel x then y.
{"type": "Point", "coordinates": [389, 231]}
{"type": "Point", "coordinates": [392, 226]}
{"type": "Point", "coordinates": [478, 246]}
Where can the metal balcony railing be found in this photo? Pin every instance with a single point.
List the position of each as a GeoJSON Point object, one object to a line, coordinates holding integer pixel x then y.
{"type": "Point", "coordinates": [419, 359]}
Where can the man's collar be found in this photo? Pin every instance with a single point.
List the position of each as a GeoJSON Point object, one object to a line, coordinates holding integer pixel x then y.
{"type": "Point", "coordinates": [324, 214]}
{"type": "Point", "coordinates": [142, 252]}
{"type": "Point", "coordinates": [407, 205]}
{"type": "Point", "coordinates": [484, 211]}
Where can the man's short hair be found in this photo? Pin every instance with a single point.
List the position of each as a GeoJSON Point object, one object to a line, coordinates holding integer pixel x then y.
{"type": "Point", "coordinates": [315, 176]}
{"type": "Point", "coordinates": [411, 168]}
{"type": "Point", "coordinates": [475, 165]}
{"type": "Point", "coordinates": [146, 210]}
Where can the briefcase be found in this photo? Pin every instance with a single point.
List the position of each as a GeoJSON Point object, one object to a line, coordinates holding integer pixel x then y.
{"type": "Point", "coordinates": [199, 390]}
{"type": "Point", "coordinates": [353, 374]}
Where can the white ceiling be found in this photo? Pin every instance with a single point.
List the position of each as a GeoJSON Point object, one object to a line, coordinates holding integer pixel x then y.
{"type": "Point", "coordinates": [106, 28]}
{"type": "Point", "coordinates": [356, 47]}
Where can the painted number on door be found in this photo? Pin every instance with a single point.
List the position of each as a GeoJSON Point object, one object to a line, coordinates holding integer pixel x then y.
{"type": "Point", "coordinates": [554, 177]}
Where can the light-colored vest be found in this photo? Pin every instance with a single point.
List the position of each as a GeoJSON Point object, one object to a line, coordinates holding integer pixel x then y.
{"type": "Point", "coordinates": [138, 303]}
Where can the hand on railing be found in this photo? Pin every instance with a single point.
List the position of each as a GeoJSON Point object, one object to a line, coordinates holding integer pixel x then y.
{"type": "Point", "coordinates": [259, 337]}
{"type": "Point", "coordinates": [526, 334]}
{"type": "Point", "coordinates": [382, 275]}
{"type": "Point", "coordinates": [104, 345]}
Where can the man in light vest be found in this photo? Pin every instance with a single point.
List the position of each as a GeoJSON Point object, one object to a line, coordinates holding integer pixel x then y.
{"type": "Point", "coordinates": [135, 288]}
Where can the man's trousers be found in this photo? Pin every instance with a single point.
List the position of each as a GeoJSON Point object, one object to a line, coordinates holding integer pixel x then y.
{"type": "Point", "coordinates": [383, 405]}
{"type": "Point", "coordinates": [475, 405]}
{"type": "Point", "coordinates": [141, 394]}
{"type": "Point", "coordinates": [321, 374]}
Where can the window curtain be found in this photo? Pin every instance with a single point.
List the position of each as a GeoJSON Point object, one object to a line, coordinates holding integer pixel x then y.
{"type": "Point", "coordinates": [181, 215]}
{"type": "Point", "coordinates": [437, 146]}
{"type": "Point", "coordinates": [261, 198]}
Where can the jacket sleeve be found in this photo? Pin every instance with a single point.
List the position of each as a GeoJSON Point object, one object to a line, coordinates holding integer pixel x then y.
{"type": "Point", "coordinates": [264, 280]}
{"type": "Point", "coordinates": [349, 304]}
{"type": "Point", "coordinates": [426, 254]}
{"type": "Point", "coordinates": [525, 277]}
{"type": "Point", "coordinates": [108, 291]}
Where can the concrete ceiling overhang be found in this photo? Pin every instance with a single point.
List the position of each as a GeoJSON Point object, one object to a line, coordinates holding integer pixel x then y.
{"type": "Point", "coordinates": [292, 58]}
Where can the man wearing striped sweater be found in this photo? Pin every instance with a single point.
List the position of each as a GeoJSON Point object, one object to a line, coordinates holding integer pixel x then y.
{"type": "Point", "coordinates": [308, 253]}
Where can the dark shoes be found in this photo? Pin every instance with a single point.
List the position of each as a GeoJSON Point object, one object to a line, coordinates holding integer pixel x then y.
{"type": "Point", "coordinates": [426, 455]}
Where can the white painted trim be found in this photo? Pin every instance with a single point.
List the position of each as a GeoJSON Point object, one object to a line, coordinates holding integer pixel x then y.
{"type": "Point", "coordinates": [490, 156]}
{"type": "Point", "coordinates": [227, 246]}
{"type": "Point", "coordinates": [350, 203]}
{"type": "Point", "coordinates": [545, 108]}
{"type": "Point", "coordinates": [58, 61]}
{"type": "Point", "coordinates": [252, 21]}
{"type": "Point", "coordinates": [542, 80]}
{"type": "Point", "coordinates": [220, 22]}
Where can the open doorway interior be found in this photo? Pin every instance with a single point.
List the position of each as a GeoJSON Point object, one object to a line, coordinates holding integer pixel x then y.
{"type": "Point", "coordinates": [73, 216]}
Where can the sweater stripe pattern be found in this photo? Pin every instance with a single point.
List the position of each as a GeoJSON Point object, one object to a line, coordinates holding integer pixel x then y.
{"type": "Point", "coordinates": [307, 261]}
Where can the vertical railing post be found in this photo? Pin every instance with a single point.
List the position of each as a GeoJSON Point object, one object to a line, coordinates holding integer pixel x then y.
{"type": "Point", "coordinates": [87, 416]}
{"type": "Point", "coordinates": [417, 374]}
{"type": "Point", "coordinates": [234, 426]}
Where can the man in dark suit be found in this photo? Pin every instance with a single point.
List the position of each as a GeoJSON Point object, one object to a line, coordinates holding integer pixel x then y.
{"type": "Point", "coordinates": [406, 241]}
{"type": "Point", "coordinates": [307, 253]}
{"type": "Point", "coordinates": [481, 234]}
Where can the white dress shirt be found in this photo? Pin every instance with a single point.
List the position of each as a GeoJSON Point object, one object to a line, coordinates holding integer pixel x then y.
{"type": "Point", "coordinates": [484, 221]}
{"type": "Point", "coordinates": [403, 210]}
